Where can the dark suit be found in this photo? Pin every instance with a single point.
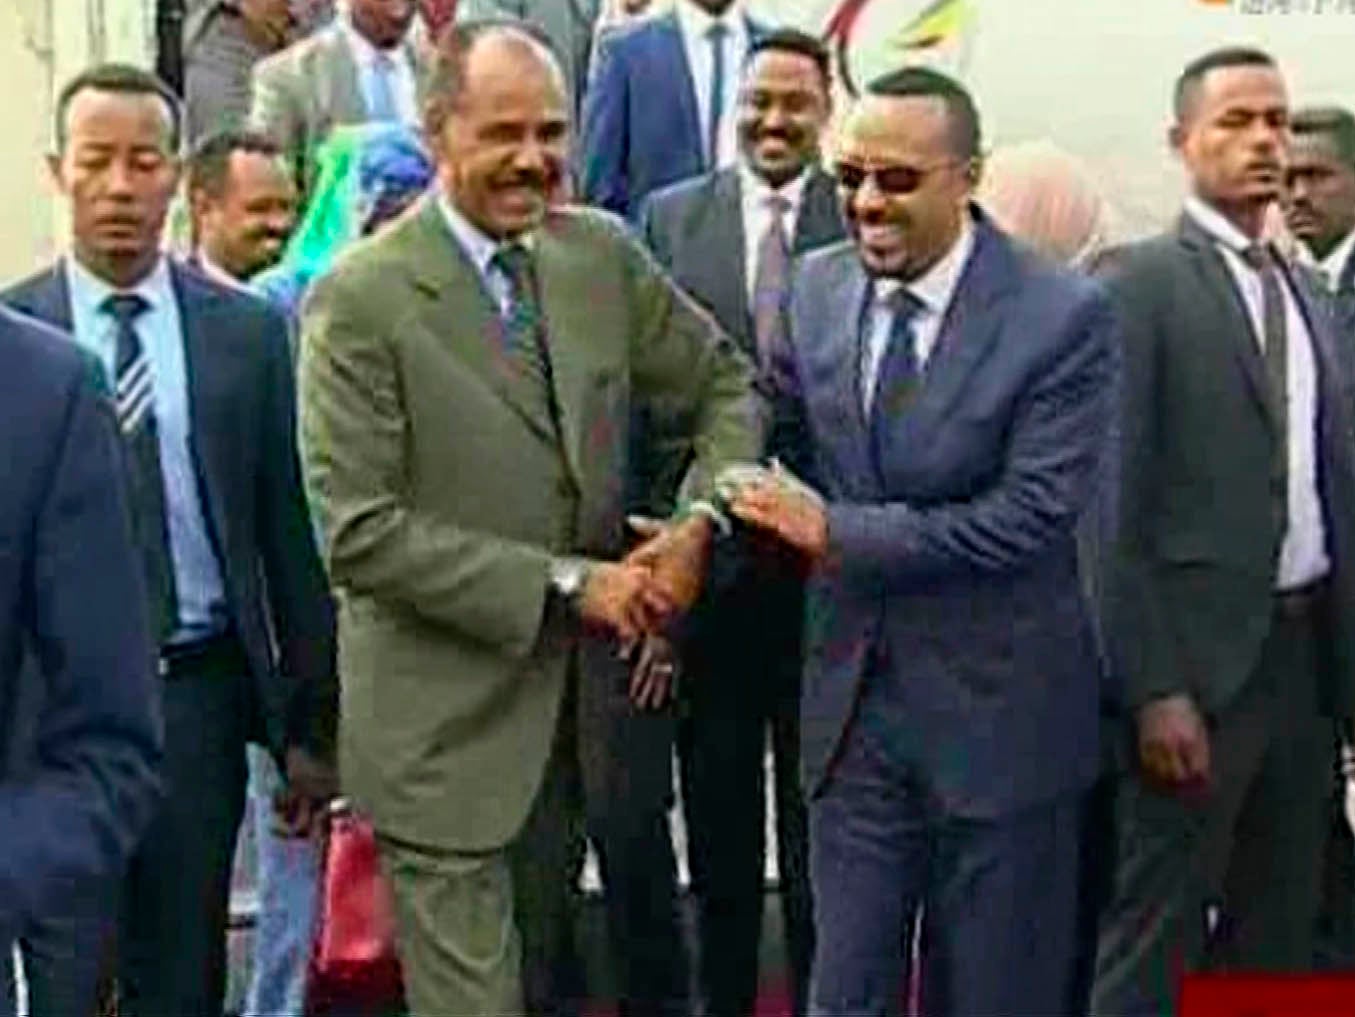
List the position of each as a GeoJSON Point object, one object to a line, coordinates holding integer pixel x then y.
{"type": "Point", "coordinates": [278, 690]}
{"type": "Point", "coordinates": [1192, 609]}
{"type": "Point", "coordinates": [80, 742]}
{"type": "Point", "coordinates": [741, 658]}
{"type": "Point", "coordinates": [951, 676]}
{"type": "Point", "coordinates": [641, 129]}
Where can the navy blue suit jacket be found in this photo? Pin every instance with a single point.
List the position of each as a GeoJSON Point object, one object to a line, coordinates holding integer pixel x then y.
{"type": "Point", "coordinates": [242, 437]}
{"type": "Point", "coordinates": [640, 128]}
{"type": "Point", "coordinates": [952, 564]}
{"type": "Point", "coordinates": [80, 734]}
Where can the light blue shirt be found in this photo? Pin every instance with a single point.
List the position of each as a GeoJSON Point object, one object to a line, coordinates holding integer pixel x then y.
{"type": "Point", "coordinates": [197, 573]}
{"type": "Point", "coordinates": [480, 248]}
{"type": "Point", "coordinates": [400, 86]}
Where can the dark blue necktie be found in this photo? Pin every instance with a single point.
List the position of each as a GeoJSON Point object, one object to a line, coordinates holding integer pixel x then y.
{"type": "Point", "coordinates": [135, 399]}
{"type": "Point", "coordinates": [900, 373]}
{"type": "Point", "coordinates": [716, 34]}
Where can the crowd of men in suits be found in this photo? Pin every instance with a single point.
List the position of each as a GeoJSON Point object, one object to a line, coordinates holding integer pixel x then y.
{"type": "Point", "coordinates": [1036, 581]}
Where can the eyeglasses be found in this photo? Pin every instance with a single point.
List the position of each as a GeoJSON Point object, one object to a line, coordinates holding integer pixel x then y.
{"type": "Point", "coordinates": [893, 180]}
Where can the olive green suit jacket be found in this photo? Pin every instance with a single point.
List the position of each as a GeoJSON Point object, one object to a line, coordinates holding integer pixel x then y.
{"type": "Point", "coordinates": [443, 496]}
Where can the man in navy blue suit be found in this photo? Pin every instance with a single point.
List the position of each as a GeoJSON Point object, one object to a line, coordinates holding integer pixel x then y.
{"type": "Point", "coordinates": [949, 396]}
{"type": "Point", "coordinates": [80, 740]}
{"type": "Point", "coordinates": [239, 608]}
{"type": "Point", "coordinates": [661, 102]}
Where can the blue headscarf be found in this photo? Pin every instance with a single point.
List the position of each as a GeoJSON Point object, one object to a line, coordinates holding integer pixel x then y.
{"type": "Point", "coordinates": [362, 172]}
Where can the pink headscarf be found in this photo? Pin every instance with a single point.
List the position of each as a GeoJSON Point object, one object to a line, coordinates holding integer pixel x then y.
{"type": "Point", "coordinates": [1044, 197]}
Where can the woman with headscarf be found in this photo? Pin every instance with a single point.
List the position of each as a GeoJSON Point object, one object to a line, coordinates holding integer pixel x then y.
{"type": "Point", "coordinates": [366, 176]}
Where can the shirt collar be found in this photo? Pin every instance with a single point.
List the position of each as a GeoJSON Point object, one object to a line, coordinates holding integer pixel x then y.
{"type": "Point", "coordinates": [1216, 224]}
{"type": "Point", "coordinates": [936, 288]}
{"type": "Point", "coordinates": [363, 51]}
{"type": "Point", "coordinates": [1336, 260]}
{"type": "Point", "coordinates": [479, 246]}
{"type": "Point", "coordinates": [89, 291]}
{"type": "Point", "coordinates": [215, 272]}
{"type": "Point", "coordinates": [756, 191]}
{"type": "Point", "coordinates": [695, 22]}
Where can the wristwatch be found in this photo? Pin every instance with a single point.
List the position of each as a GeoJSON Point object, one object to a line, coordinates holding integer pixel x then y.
{"type": "Point", "coordinates": [567, 579]}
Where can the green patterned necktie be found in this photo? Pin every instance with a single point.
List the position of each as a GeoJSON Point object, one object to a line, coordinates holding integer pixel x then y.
{"type": "Point", "coordinates": [524, 324]}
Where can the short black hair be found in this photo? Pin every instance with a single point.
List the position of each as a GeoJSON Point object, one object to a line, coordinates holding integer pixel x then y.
{"type": "Point", "coordinates": [966, 136]}
{"type": "Point", "coordinates": [447, 76]}
{"type": "Point", "coordinates": [1188, 83]}
{"type": "Point", "coordinates": [123, 78]}
{"type": "Point", "coordinates": [792, 40]}
{"type": "Point", "coordinates": [1334, 122]}
{"type": "Point", "coordinates": [209, 165]}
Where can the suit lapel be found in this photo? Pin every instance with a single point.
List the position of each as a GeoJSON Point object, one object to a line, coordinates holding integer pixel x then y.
{"type": "Point", "coordinates": [819, 222]}
{"type": "Point", "coordinates": [969, 328]}
{"type": "Point", "coordinates": [846, 304]}
{"type": "Point", "coordinates": [579, 354]}
{"type": "Point", "coordinates": [345, 82]}
{"type": "Point", "coordinates": [671, 64]}
{"type": "Point", "coordinates": [724, 227]}
{"type": "Point", "coordinates": [473, 326]}
{"type": "Point", "coordinates": [196, 305]}
{"type": "Point", "coordinates": [1219, 285]}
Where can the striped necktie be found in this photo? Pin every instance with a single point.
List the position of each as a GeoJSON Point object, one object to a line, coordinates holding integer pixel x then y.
{"type": "Point", "coordinates": [524, 323]}
{"type": "Point", "coordinates": [135, 401]}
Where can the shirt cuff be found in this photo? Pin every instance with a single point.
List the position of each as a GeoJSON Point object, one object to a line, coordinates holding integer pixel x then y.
{"type": "Point", "coordinates": [712, 512]}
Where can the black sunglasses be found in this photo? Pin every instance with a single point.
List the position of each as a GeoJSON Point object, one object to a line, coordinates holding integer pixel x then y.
{"type": "Point", "coordinates": [894, 180]}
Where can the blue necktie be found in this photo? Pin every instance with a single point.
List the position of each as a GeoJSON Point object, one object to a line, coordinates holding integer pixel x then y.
{"type": "Point", "coordinates": [716, 34]}
{"type": "Point", "coordinates": [381, 103]}
{"type": "Point", "coordinates": [900, 373]}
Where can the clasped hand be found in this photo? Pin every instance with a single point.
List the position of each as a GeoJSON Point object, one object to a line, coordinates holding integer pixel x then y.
{"type": "Point", "coordinates": [779, 503]}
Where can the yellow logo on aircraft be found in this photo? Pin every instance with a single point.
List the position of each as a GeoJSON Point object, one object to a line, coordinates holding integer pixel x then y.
{"type": "Point", "coordinates": [872, 37]}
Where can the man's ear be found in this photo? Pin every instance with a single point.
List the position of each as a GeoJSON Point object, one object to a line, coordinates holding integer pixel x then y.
{"type": "Point", "coordinates": [1176, 138]}
{"type": "Point", "coordinates": [55, 172]}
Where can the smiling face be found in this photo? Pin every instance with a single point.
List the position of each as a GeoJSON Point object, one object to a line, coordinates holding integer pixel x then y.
{"type": "Point", "coordinates": [904, 188]}
{"type": "Point", "coordinates": [502, 147]}
{"type": "Point", "coordinates": [783, 107]}
{"type": "Point", "coordinates": [118, 170]}
{"type": "Point", "coordinates": [1234, 138]}
{"type": "Point", "coordinates": [243, 229]}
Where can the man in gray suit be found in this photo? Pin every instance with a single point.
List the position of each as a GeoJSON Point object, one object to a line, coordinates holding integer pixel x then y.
{"type": "Point", "coordinates": [222, 40]}
{"type": "Point", "coordinates": [728, 239]}
{"type": "Point", "coordinates": [364, 67]}
{"type": "Point", "coordinates": [1231, 595]}
{"type": "Point", "coordinates": [568, 26]}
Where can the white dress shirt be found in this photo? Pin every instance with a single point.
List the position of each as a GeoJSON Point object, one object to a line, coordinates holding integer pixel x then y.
{"type": "Point", "coordinates": [403, 87]}
{"type": "Point", "coordinates": [934, 291]}
{"type": "Point", "coordinates": [695, 24]}
{"type": "Point", "coordinates": [756, 195]}
{"type": "Point", "coordinates": [1303, 555]}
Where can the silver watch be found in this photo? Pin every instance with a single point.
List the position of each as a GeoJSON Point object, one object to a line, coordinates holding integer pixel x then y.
{"type": "Point", "coordinates": [567, 578]}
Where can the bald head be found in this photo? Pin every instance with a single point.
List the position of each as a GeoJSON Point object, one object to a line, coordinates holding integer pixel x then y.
{"type": "Point", "coordinates": [497, 121]}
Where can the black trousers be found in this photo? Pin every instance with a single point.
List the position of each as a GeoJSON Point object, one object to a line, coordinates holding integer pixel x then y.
{"type": "Point", "coordinates": [1228, 879]}
{"type": "Point", "coordinates": [741, 674]}
{"type": "Point", "coordinates": [1335, 933]}
{"type": "Point", "coordinates": [639, 875]}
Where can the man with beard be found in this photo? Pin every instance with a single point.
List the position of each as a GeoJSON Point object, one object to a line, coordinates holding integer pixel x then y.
{"type": "Point", "coordinates": [239, 610]}
{"type": "Point", "coordinates": [947, 396]}
{"type": "Point", "coordinates": [660, 102]}
{"type": "Point", "coordinates": [1231, 597]}
{"type": "Point", "coordinates": [243, 204]}
{"type": "Point", "coordinates": [364, 67]}
{"type": "Point", "coordinates": [467, 381]}
{"type": "Point", "coordinates": [728, 239]}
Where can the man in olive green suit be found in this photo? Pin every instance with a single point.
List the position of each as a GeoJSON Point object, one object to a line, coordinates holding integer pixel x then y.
{"type": "Point", "coordinates": [467, 382]}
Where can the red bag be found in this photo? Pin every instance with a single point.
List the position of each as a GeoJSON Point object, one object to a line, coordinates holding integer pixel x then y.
{"type": "Point", "coordinates": [354, 967]}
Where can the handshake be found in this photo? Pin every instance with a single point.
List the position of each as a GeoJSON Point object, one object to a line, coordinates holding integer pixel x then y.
{"type": "Point", "coordinates": [644, 593]}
